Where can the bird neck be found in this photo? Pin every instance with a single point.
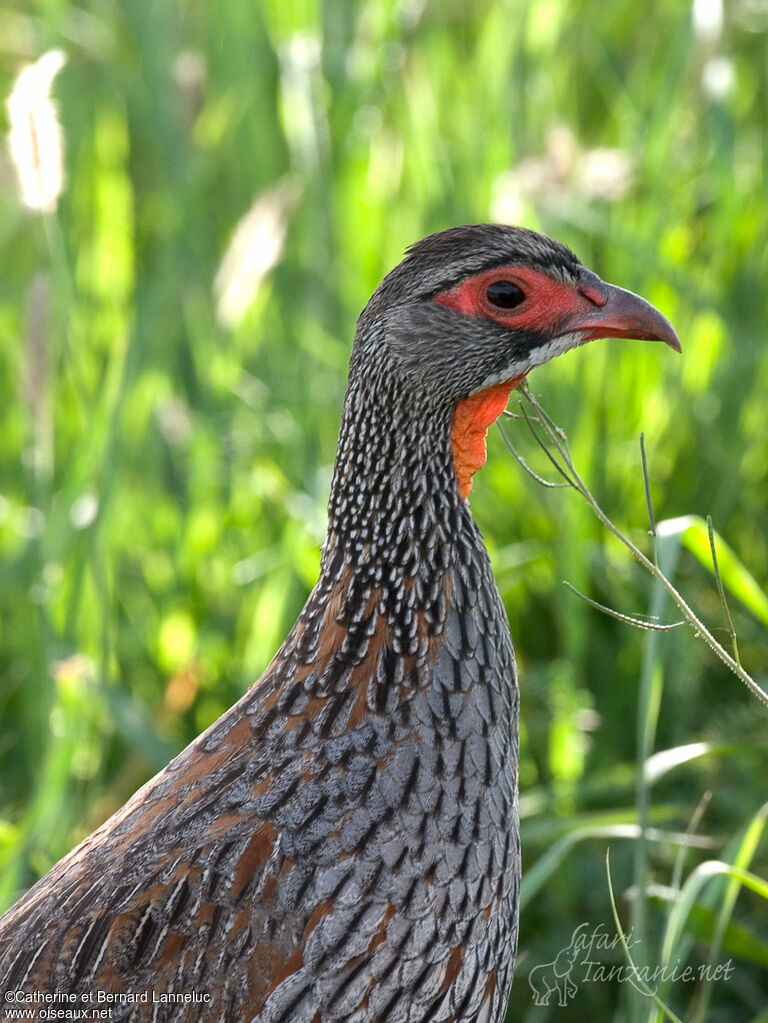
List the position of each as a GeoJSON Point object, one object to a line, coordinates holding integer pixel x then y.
{"type": "Point", "coordinates": [395, 507]}
{"type": "Point", "coordinates": [402, 556]}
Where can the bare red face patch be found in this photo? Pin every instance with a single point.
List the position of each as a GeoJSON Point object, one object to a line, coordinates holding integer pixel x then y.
{"type": "Point", "coordinates": [519, 297]}
{"type": "Point", "coordinates": [547, 303]}
{"type": "Point", "coordinates": [572, 306]}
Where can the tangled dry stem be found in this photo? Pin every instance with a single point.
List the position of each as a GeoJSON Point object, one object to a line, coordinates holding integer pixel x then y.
{"type": "Point", "coordinates": [555, 446]}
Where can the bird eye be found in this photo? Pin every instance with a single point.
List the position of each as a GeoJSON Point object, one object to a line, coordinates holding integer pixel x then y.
{"type": "Point", "coordinates": [504, 294]}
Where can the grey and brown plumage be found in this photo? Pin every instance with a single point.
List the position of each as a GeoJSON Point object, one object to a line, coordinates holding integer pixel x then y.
{"type": "Point", "coordinates": [342, 845]}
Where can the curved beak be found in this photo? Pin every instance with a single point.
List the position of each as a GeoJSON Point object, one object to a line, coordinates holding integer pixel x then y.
{"type": "Point", "coordinates": [615, 312]}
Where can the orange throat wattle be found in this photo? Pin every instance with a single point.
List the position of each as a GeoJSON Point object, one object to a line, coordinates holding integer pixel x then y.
{"type": "Point", "coordinates": [471, 420]}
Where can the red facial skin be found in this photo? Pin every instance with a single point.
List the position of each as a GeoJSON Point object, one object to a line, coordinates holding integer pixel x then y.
{"type": "Point", "coordinates": [548, 302]}
{"type": "Point", "coordinates": [589, 308]}
{"type": "Point", "coordinates": [548, 305]}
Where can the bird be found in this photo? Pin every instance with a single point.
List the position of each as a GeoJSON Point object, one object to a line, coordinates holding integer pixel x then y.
{"type": "Point", "coordinates": [342, 845]}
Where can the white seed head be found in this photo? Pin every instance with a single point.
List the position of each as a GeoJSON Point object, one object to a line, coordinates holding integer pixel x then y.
{"type": "Point", "coordinates": [35, 139]}
{"type": "Point", "coordinates": [707, 17]}
{"type": "Point", "coordinates": [254, 250]}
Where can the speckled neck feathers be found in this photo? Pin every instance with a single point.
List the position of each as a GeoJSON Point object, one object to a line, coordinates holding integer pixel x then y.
{"type": "Point", "coordinates": [396, 519]}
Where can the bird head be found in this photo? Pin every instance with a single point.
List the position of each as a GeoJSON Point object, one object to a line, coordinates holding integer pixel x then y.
{"type": "Point", "coordinates": [471, 310]}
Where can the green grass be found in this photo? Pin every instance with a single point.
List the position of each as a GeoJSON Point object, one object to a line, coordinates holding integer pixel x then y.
{"type": "Point", "coordinates": [163, 477]}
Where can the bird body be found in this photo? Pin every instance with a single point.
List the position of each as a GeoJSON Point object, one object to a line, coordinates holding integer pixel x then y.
{"type": "Point", "coordinates": [343, 844]}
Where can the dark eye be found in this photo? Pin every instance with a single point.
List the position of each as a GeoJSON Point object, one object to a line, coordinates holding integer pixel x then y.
{"type": "Point", "coordinates": [504, 294]}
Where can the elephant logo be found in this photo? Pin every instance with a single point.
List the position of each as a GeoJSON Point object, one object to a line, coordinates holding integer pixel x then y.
{"type": "Point", "coordinates": [549, 978]}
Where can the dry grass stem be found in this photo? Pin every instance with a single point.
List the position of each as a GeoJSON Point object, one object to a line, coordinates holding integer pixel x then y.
{"type": "Point", "coordinates": [555, 446]}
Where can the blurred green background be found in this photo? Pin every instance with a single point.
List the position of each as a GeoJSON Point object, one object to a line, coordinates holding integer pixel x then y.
{"type": "Point", "coordinates": [173, 349]}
